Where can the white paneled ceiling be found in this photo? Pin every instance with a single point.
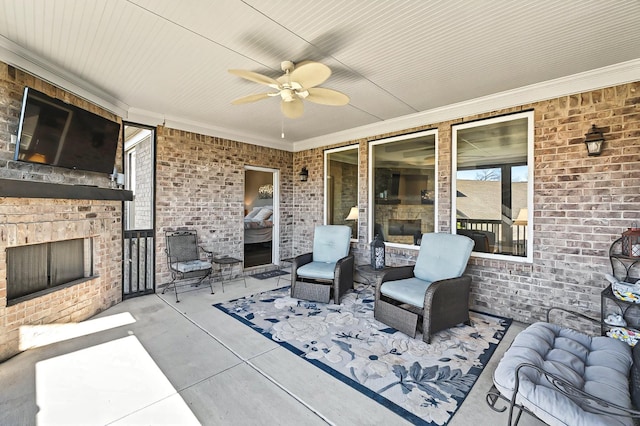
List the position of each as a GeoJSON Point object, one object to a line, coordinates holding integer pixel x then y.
{"type": "Point", "coordinates": [155, 61]}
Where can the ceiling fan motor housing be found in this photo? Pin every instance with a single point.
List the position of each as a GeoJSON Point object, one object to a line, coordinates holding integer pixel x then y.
{"type": "Point", "coordinates": [287, 66]}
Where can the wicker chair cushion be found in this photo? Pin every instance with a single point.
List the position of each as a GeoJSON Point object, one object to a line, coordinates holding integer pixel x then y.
{"type": "Point", "coordinates": [331, 243]}
{"type": "Point", "coordinates": [442, 256]}
{"type": "Point", "coordinates": [635, 377]}
{"type": "Point", "coordinates": [317, 270]}
{"type": "Point", "coordinates": [191, 266]}
{"type": "Point", "coordinates": [408, 290]}
{"type": "Point", "coordinates": [597, 365]}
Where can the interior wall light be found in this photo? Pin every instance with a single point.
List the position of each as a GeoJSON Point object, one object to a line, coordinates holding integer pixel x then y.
{"type": "Point", "coordinates": [594, 139]}
{"type": "Point", "coordinates": [353, 214]}
{"type": "Point", "coordinates": [304, 174]}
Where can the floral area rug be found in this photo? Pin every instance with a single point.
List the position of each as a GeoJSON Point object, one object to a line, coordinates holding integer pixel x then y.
{"type": "Point", "coordinates": [424, 383]}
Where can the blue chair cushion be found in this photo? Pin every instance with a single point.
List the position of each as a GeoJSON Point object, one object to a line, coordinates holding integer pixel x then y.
{"type": "Point", "coordinates": [408, 290]}
{"type": "Point", "coordinates": [442, 256]}
{"type": "Point", "coordinates": [331, 243]}
{"type": "Point", "coordinates": [597, 365]}
{"type": "Point", "coordinates": [191, 266]}
{"type": "Point", "coordinates": [317, 270]}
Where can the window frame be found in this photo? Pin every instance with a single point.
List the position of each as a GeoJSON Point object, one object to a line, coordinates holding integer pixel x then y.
{"type": "Point", "coordinates": [529, 115]}
{"type": "Point", "coordinates": [371, 179]}
{"type": "Point", "coordinates": [325, 214]}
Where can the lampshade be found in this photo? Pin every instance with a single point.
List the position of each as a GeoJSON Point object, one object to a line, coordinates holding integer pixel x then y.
{"type": "Point", "coordinates": [523, 218]}
{"type": "Point", "coordinates": [353, 214]}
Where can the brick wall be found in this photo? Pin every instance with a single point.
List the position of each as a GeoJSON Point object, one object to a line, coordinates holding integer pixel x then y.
{"type": "Point", "coordinates": [30, 221]}
{"type": "Point", "coordinates": [200, 185]}
{"type": "Point", "coordinates": [581, 204]}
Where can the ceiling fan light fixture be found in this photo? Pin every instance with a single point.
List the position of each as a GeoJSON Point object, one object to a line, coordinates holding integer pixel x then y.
{"type": "Point", "coordinates": [298, 82]}
{"type": "Point", "coordinates": [288, 95]}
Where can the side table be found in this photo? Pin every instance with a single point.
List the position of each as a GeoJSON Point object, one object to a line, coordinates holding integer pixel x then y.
{"type": "Point", "coordinates": [367, 274]}
{"type": "Point", "coordinates": [230, 262]}
{"type": "Point", "coordinates": [282, 266]}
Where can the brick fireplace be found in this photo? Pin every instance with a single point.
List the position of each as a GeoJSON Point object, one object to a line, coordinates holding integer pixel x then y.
{"type": "Point", "coordinates": [29, 221]}
{"type": "Point", "coordinates": [42, 204]}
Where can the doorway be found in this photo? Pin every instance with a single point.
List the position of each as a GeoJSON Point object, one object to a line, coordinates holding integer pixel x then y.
{"type": "Point", "coordinates": [138, 272]}
{"type": "Point", "coordinates": [261, 216]}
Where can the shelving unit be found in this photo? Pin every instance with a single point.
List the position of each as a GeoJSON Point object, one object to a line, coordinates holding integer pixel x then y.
{"type": "Point", "coordinates": [624, 268]}
{"type": "Point", "coordinates": [624, 308]}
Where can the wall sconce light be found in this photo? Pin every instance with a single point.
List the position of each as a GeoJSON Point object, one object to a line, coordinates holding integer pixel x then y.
{"type": "Point", "coordinates": [304, 174]}
{"type": "Point", "coordinates": [594, 139]}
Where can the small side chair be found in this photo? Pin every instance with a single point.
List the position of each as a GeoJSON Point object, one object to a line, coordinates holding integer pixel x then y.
{"type": "Point", "coordinates": [435, 289]}
{"type": "Point", "coordinates": [327, 271]}
{"type": "Point", "coordinates": [183, 259]}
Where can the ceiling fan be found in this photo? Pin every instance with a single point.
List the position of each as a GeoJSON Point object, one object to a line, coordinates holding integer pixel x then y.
{"type": "Point", "coordinates": [298, 82]}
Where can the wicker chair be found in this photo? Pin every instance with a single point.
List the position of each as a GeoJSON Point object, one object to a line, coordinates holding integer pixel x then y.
{"type": "Point", "coordinates": [183, 260]}
{"type": "Point", "coordinates": [433, 289]}
{"type": "Point", "coordinates": [327, 271]}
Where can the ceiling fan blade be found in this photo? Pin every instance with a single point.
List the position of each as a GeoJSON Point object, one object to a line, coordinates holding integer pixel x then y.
{"type": "Point", "coordinates": [323, 96]}
{"type": "Point", "coordinates": [310, 74]}
{"type": "Point", "coordinates": [257, 78]}
{"type": "Point", "coordinates": [250, 98]}
{"type": "Point", "coordinates": [293, 109]}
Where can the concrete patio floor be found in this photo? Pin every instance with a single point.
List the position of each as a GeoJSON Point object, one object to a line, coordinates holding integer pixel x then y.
{"type": "Point", "coordinates": [151, 361]}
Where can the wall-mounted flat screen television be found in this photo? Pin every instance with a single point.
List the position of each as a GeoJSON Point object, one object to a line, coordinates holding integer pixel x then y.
{"type": "Point", "coordinates": [56, 133]}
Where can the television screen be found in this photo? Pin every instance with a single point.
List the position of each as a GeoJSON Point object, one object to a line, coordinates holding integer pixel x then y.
{"type": "Point", "coordinates": [56, 133]}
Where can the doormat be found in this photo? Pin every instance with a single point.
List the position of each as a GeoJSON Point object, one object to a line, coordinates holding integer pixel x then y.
{"type": "Point", "coordinates": [423, 383]}
{"type": "Point", "coordinates": [269, 274]}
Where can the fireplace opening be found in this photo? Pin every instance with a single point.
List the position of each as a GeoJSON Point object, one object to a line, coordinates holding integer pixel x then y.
{"type": "Point", "coordinates": [37, 269]}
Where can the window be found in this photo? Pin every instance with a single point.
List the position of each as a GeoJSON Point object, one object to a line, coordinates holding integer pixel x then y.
{"type": "Point", "coordinates": [493, 185]}
{"type": "Point", "coordinates": [404, 190]}
{"type": "Point", "coordinates": [341, 188]}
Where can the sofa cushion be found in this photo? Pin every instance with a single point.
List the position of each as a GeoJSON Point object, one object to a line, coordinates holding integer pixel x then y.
{"type": "Point", "coordinates": [596, 365]}
{"type": "Point", "coordinates": [442, 256]}
{"type": "Point", "coordinates": [191, 266]}
{"type": "Point", "coordinates": [635, 377]}
{"type": "Point", "coordinates": [408, 290]}
{"type": "Point", "coordinates": [331, 243]}
{"type": "Point", "coordinates": [317, 270]}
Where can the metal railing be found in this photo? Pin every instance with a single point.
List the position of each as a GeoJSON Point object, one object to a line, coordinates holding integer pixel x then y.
{"type": "Point", "coordinates": [514, 244]}
{"type": "Point", "coordinates": [139, 261]}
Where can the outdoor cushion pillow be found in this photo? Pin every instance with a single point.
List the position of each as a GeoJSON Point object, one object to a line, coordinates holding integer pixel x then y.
{"type": "Point", "coordinates": [597, 365]}
{"type": "Point", "coordinates": [408, 290]}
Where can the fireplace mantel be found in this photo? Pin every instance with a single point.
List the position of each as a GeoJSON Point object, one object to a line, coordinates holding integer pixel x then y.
{"type": "Point", "coordinates": [33, 189]}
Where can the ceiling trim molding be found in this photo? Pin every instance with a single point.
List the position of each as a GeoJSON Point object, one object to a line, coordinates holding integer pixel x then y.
{"type": "Point", "coordinates": [624, 72]}
{"type": "Point", "coordinates": [16, 56]}
{"type": "Point", "coordinates": [150, 118]}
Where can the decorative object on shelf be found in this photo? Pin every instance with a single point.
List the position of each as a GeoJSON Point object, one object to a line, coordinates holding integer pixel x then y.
{"type": "Point", "coordinates": [624, 291]}
{"type": "Point", "coordinates": [615, 319]}
{"type": "Point", "coordinates": [631, 241]}
{"type": "Point", "coordinates": [627, 335]}
{"type": "Point", "coordinates": [353, 214]}
{"type": "Point", "coordinates": [426, 196]}
{"type": "Point", "coordinates": [265, 191]}
{"type": "Point", "coordinates": [377, 252]}
{"type": "Point", "coordinates": [304, 174]}
{"type": "Point", "coordinates": [594, 139]}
